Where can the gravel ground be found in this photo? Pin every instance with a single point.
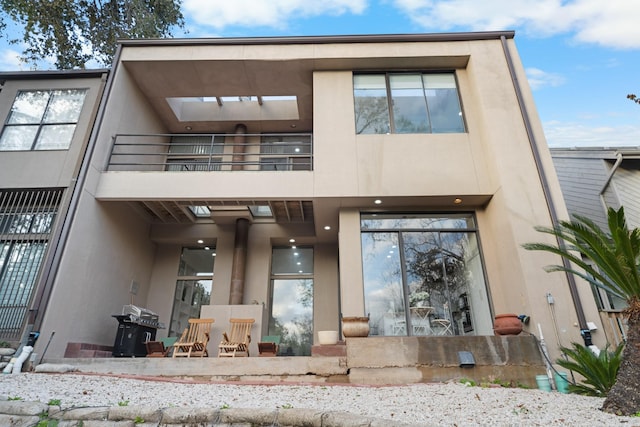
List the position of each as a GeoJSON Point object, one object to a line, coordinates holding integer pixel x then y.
{"type": "Point", "coordinates": [447, 404]}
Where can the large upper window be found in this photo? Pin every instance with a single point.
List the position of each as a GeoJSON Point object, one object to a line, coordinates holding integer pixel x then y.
{"type": "Point", "coordinates": [407, 103]}
{"type": "Point", "coordinates": [42, 120]}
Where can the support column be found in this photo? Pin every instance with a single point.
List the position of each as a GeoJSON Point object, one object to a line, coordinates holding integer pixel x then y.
{"type": "Point", "coordinates": [239, 261]}
{"type": "Point", "coordinates": [239, 148]}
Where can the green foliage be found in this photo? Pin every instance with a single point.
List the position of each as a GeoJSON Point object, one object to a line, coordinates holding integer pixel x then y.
{"type": "Point", "coordinates": [138, 420]}
{"type": "Point", "coordinates": [287, 406]}
{"type": "Point", "coordinates": [468, 382]}
{"type": "Point", "coordinates": [54, 402]}
{"type": "Point", "coordinates": [225, 406]}
{"type": "Point", "coordinates": [14, 398]}
{"type": "Point", "coordinates": [4, 344]}
{"type": "Point", "coordinates": [123, 403]}
{"type": "Point", "coordinates": [45, 421]}
{"type": "Point", "coordinates": [615, 254]}
{"type": "Point", "coordinates": [75, 31]}
{"type": "Point", "coordinates": [599, 372]}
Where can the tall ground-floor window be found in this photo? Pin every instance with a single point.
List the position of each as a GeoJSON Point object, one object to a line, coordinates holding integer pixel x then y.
{"type": "Point", "coordinates": [193, 286]}
{"type": "Point", "coordinates": [423, 275]}
{"type": "Point", "coordinates": [26, 222]}
{"type": "Point", "coordinates": [291, 315]}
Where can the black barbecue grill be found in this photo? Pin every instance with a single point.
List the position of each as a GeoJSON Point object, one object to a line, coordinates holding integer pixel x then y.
{"type": "Point", "coordinates": [136, 326]}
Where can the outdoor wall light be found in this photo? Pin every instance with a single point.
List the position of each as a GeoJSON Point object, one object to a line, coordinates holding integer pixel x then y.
{"type": "Point", "coordinates": [457, 200]}
{"type": "Point", "coordinates": [466, 359]}
{"type": "Point", "coordinates": [377, 201]}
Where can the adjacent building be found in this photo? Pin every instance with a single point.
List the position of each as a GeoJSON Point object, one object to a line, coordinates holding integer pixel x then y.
{"type": "Point", "coordinates": [47, 119]}
{"type": "Point", "coordinates": [300, 179]}
{"type": "Point", "coordinates": [592, 180]}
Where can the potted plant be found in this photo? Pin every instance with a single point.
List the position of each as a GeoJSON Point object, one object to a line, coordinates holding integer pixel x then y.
{"type": "Point", "coordinates": [355, 326]}
{"type": "Point", "coordinates": [418, 299]}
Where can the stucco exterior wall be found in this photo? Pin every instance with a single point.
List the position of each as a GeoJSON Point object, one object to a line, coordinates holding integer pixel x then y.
{"type": "Point", "coordinates": [108, 250]}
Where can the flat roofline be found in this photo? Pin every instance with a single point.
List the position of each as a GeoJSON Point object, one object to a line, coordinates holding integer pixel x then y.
{"type": "Point", "coordinates": [284, 40]}
{"type": "Point", "coordinates": [51, 74]}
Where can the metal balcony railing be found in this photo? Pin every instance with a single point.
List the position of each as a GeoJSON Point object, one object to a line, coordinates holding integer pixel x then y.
{"type": "Point", "coordinates": [211, 152]}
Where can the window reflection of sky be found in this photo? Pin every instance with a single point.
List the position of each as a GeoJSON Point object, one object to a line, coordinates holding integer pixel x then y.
{"type": "Point", "coordinates": [288, 303]}
{"type": "Point", "coordinates": [382, 279]}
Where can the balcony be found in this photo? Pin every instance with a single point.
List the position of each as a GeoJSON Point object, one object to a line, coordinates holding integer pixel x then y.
{"type": "Point", "coordinates": [211, 152]}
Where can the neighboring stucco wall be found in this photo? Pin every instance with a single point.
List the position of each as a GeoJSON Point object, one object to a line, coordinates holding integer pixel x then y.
{"type": "Point", "coordinates": [47, 168]}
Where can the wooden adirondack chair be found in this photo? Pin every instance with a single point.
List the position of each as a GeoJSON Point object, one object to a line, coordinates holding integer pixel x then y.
{"type": "Point", "coordinates": [237, 341]}
{"type": "Point", "coordinates": [194, 339]}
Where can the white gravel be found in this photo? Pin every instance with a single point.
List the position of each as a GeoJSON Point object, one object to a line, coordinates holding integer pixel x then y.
{"type": "Point", "coordinates": [446, 404]}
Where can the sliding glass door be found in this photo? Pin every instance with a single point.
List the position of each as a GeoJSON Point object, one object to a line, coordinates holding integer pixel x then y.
{"type": "Point", "coordinates": [423, 275]}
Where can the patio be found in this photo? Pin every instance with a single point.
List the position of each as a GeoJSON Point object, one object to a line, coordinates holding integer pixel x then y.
{"type": "Point", "coordinates": [371, 360]}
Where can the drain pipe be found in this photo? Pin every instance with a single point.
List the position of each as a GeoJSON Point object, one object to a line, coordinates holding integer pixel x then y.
{"type": "Point", "coordinates": [236, 293]}
{"type": "Point", "coordinates": [239, 141]}
{"type": "Point", "coordinates": [573, 289]}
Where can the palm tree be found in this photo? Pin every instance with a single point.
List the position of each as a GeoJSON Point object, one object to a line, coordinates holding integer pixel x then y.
{"type": "Point", "coordinates": [616, 268]}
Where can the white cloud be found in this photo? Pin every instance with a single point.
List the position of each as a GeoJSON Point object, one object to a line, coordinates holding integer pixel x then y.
{"type": "Point", "coordinates": [273, 13]}
{"type": "Point", "coordinates": [10, 61]}
{"type": "Point", "coordinates": [611, 23]}
{"type": "Point", "coordinates": [539, 78]}
{"type": "Point", "coordinates": [563, 134]}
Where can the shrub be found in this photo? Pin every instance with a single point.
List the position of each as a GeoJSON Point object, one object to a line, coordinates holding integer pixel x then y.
{"type": "Point", "coordinates": [599, 371]}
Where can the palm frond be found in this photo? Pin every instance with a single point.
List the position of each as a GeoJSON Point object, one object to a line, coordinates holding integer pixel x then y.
{"type": "Point", "coordinates": [614, 255]}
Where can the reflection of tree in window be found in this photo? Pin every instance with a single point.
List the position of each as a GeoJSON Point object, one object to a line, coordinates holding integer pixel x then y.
{"type": "Point", "coordinates": [438, 267]}
{"type": "Point", "coordinates": [371, 104]}
{"type": "Point", "coordinates": [295, 330]}
{"type": "Point", "coordinates": [412, 260]}
{"type": "Point", "coordinates": [42, 120]}
{"type": "Point", "coordinates": [372, 115]}
{"type": "Point", "coordinates": [407, 103]}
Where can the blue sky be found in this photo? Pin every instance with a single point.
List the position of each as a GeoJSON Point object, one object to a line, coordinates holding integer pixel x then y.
{"type": "Point", "coordinates": [582, 57]}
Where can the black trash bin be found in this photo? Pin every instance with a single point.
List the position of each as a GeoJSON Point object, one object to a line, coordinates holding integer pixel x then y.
{"type": "Point", "coordinates": [132, 337]}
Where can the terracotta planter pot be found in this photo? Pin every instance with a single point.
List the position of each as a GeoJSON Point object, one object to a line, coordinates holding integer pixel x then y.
{"type": "Point", "coordinates": [355, 326]}
{"type": "Point", "coordinates": [507, 324]}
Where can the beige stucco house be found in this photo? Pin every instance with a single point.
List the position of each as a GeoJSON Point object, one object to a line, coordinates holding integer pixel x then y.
{"type": "Point", "coordinates": [296, 180]}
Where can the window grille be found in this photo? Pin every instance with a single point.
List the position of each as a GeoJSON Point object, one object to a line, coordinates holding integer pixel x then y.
{"type": "Point", "coordinates": [26, 222]}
